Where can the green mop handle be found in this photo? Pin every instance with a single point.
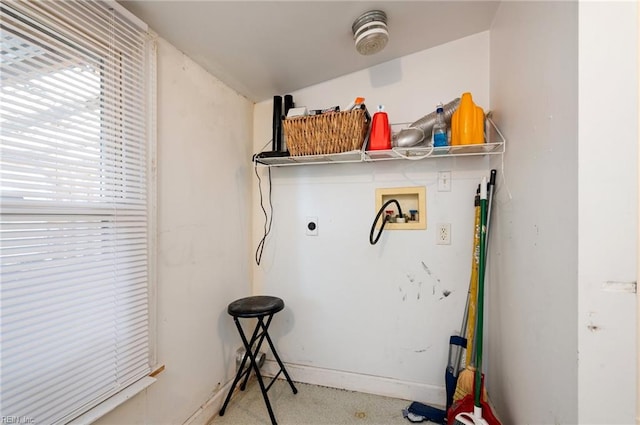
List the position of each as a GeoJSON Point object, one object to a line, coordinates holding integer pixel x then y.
{"type": "Point", "coordinates": [481, 267]}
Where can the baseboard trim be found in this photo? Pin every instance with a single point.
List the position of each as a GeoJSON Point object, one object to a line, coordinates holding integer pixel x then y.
{"type": "Point", "coordinates": [210, 408]}
{"type": "Point", "coordinates": [371, 384]}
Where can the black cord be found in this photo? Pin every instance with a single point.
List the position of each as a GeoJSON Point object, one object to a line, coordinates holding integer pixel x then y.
{"type": "Point", "coordinates": [267, 219]}
{"type": "Point", "coordinates": [384, 221]}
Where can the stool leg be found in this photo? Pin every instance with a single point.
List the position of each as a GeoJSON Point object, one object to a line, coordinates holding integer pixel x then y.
{"type": "Point", "coordinates": [254, 364]}
{"type": "Point", "coordinates": [241, 369]}
{"type": "Point", "coordinates": [259, 326]}
{"type": "Point", "coordinates": [275, 354]}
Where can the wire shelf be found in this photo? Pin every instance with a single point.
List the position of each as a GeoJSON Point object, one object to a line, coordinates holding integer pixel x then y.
{"type": "Point", "coordinates": [411, 153]}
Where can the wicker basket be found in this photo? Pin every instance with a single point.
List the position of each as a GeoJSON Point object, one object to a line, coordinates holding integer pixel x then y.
{"type": "Point", "coordinates": [332, 132]}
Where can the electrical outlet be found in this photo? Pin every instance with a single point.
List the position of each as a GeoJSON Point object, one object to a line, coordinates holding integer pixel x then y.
{"type": "Point", "coordinates": [444, 181]}
{"type": "Point", "coordinates": [312, 226]}
{"type": "Point", "coordinates": [443, 237]}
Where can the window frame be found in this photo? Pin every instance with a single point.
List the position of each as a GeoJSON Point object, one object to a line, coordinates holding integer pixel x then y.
{"type": "Point", "coordinates": [124, 394]}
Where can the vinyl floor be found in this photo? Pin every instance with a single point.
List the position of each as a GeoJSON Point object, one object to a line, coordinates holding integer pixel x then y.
{"type": "Point", "coordinates": [313, 405]}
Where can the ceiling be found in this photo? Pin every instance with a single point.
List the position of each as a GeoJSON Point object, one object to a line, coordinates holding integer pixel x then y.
{"type": "Point", "coordinates": [267, 48]}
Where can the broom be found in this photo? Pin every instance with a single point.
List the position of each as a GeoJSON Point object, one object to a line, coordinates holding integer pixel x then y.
{"type": "Point", "coordinates": [457, 343]}
{"type": "Point", "coordinates": [464, 384]}
{"type": "Point", "coordinates": [468, 323]}
{"type": "Point", "coordinates": [462, 412]}
{"type": "Point", "coordinates": [466, 377]}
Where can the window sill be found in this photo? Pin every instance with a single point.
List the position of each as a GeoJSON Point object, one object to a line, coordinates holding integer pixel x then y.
{"type": "Point", "coordinates": [113, 402]}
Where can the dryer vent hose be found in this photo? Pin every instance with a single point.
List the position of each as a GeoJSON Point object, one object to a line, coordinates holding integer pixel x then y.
{"type": "Point", "coordinates": [426, 124]}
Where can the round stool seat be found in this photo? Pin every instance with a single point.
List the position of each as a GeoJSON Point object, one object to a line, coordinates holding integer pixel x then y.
{"type": "Point", "coordinates": [255, 306]}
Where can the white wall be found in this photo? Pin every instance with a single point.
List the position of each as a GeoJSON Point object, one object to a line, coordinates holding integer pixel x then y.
{"type": "Point", "coordinates": [564, 318]}
{"type": "Point", "coordinates": [204, 203]}
{"type": "Point", "coordinates": [534, 241]}
{"type": "Point", "coordinates": [374, 318]}
{"type": "Point", "coordinates": [608, 212]}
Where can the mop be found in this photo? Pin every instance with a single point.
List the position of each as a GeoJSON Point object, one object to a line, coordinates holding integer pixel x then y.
{"type": "Point", "coordinates": [418, 412]}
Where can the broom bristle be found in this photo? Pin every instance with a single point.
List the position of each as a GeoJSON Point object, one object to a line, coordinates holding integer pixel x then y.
{"type": "Point", "coordinates": [465, 383]}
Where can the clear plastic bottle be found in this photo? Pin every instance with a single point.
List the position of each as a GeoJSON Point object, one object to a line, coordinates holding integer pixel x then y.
{"type": "Point", "coordinates": [439, 134]}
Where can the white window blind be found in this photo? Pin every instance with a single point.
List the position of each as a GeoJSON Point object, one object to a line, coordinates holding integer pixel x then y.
{"type": "Point", "coordinates": [74, 213]}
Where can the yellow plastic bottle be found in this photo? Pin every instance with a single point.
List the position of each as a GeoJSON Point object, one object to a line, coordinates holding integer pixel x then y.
{"type": "Point", "coordinates": [467, 123]}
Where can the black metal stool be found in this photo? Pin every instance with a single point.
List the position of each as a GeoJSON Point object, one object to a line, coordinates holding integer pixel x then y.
{"type": "Point", "coordinates": [260, 307]}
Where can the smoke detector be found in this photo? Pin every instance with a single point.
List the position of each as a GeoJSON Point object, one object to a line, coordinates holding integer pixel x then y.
{"type": "Point", "coordinates": [370, 32]}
